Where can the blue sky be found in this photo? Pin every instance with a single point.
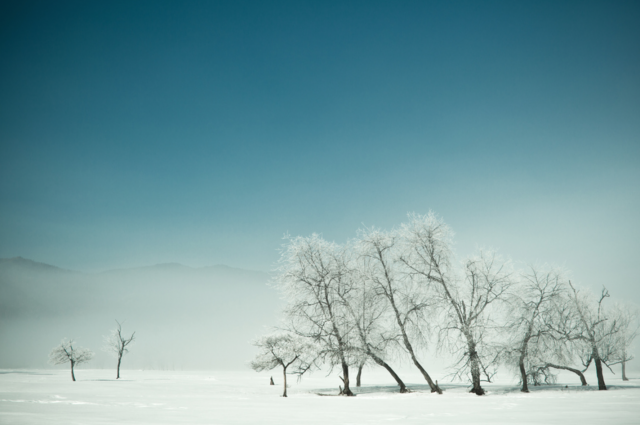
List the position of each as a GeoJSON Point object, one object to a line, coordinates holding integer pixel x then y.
{"type": "Point", "coordinates": [136, 133]}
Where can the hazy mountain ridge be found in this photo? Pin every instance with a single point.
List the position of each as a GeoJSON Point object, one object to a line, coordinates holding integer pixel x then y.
{"type": "Point", "coordinates": [24, 265]}
{"type": "Point", "coordinates": [20, 264]}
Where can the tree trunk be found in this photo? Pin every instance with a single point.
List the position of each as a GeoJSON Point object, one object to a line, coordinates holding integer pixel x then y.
{"type": "Point", "coordinates": [284, 373]}
{"type": "Point", "coordinates": [434, 387]}
{"type": "Point", "coordinates": [523, 355]}
{"type": "Point", "coordinates": [73, 377]}
{"type": "Point", "coordinates": [523, 373]}
{"type": "Point", "coordinates": [576, 371]}
{"type": "Point", "coordinates": [624, 367]}
{"type": "Point", "coordinates": [359, 375]}
{"type": "Point", "coordinates": [378, 360]}
{"type": "Point", "coordinates": [118, 373]}
{"type": "Point", "coordinates": [345, 379]}
{"type": "Point", "coordinates": [475, 370]}
{"type": "Point", "coordinates": [601, 384]}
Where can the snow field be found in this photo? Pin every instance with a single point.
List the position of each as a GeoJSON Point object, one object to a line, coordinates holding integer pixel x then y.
{"type": "Point", "coordinates": [244, 397]}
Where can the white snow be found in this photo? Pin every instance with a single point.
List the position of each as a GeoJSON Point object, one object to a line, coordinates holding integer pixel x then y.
{"type": "Point", "coordinates": [244, 397]}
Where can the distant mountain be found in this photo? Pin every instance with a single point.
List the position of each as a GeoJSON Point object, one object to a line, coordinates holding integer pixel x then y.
{"type": "Point", "coordinates": [19, 264]}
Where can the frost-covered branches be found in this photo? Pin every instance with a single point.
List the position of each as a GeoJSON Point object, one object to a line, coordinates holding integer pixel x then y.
{"type": "Point", "coordinates": [66, 352]}
{"type": "Point", "coordinates": [388, 293]}
{"type": "Point", "coordinates": [530, 308]}
{"type": "Point", "coordinates": [464, 296]}
{"type": "Point", "coordinates": [117, 345]}
{"type": "Point", "coordinates": [586, 322]}
{"type": "Point", "coordinates": [627, 319]}
{"type": "Point", "coordinates": [316, 278]}
{"type": "Point", "coordinates": [405, 300]}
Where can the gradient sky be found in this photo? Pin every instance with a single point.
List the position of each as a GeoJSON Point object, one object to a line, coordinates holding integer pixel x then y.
{"type": "Point", "coordinates": [136, 133]}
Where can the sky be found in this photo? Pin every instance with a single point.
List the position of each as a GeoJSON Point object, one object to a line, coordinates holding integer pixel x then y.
{"type": "Point", "coordinates": [136, 133]}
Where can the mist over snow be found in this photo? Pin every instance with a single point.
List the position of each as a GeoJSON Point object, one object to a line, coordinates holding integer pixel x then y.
{"type": "Point", "coordinates": [184, 318]}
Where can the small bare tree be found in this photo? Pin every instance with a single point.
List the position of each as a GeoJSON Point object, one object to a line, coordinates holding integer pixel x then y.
{"type": "Point", "coordinates": [117, 345]}
{"type": "Point", "coordinates": [283, 350]}
{"type": "Point", "coordinates": [361, 365]}
{"type": "Point", "coordinates": [465, 301]}
{"type": "Point", "coordinates": [66, 352]}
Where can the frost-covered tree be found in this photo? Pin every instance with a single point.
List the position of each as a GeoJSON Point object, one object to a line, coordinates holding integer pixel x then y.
{"type": "Point", "coordinates": [591, 327]}
{"type": "Point", "coordinates": [530, 307]}
{"type": "Point", "coordinates": [463, 297]}
{"type": "Point", "coordinates": [369, 314]}
{"type": "Point", "coordinates": [284, 350]}
{"type": "Point", "coordinates": [117, 345]}
{"type": "Point", "coordinates": [315, 278]}
{"type": "Point", "coordinates": [557, 346]}
{"type": "Point", "coordinates": [395, 297]}
{"type": "Point", "coordinates": [66, 352]}
{"type": "Point", "coordinates": [619, 344]}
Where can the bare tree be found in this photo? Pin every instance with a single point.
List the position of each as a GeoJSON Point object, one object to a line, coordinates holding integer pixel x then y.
{"type": "Point", "coordinates": [405, 301]}
{"type": "Point", "coordinates": [283, 350]}
{"type": "Point", "coordinates": [369, 315]}
{"type": "Point", "coordinates": [116, 344]}
{"type": "Point", "coordinates": [66, 352]}
{"type": "Point", "coordinates": [314, 277]}
{"type": "Point", "coordinates": [595, 329]}
{"type": "Point", "coordinates": [620, 343]}
{"type": "Point", "coordinates": [359, 375]}
{"type": "Point", "coordinates": [530, 308]}
{"type": "Point", "coordinates": [557, 346]}
{"type": "Point", "coordinates": [464, 301]}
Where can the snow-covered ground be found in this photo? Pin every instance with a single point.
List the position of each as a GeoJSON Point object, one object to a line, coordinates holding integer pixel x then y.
{"type": "Point", "coordinates": [244, 397]}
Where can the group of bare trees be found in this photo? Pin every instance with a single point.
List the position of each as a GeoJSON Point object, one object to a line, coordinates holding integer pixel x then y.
{"type": "Point", "coordinates": [392, 294]}
{"type": "Point", "coordinates": [116, 344]}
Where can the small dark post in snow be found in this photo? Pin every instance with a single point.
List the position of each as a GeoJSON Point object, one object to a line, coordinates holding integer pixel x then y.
{"type": "Point", "coordinates": [271, 381]}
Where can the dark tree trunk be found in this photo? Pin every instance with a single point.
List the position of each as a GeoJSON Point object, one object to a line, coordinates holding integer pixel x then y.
{"type": "Point", "coordinates": [359, 375]}
{"type": "Point", "coordinates": [345, 379]}
{"type": "Point", "coordinates": [284, 373]}
{"type": "Point", "coordinates": [474, 359]}
{"type": "Point", "coordinates": [523, 355]}
{"type": "Point", "coordinates": [378, 360]}
{"type": "Point", "coordinates": [570, 369]}
{"type": "Point", "coordinates": [624, 367]}
{"type": "Point", "coordinates": [523, 373]}
{"type": "Point", "coordinates": [601, 384]}
{"type": "Point", "coordinates": [73, 376]}
{"type": "Point", "coordinates": [434, 387]}
{"type": "Point", "coordinates": [118, 370]}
